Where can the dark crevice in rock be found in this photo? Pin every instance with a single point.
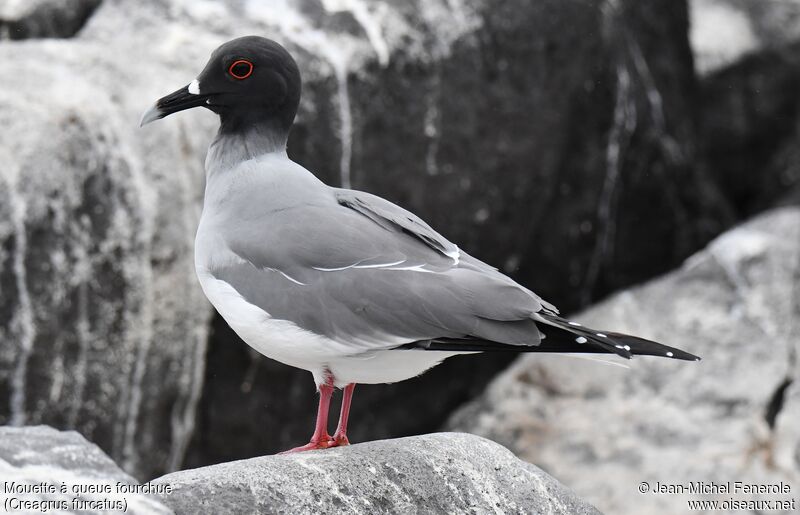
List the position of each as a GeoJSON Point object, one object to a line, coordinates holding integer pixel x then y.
{"type": "Point", "coordinates": [45, 18]}
{"type": "Point", "coordinates": [775, 403]}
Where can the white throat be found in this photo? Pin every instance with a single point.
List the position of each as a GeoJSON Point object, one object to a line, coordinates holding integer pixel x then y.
{"type": "Point", "coordinates": [229, 149]}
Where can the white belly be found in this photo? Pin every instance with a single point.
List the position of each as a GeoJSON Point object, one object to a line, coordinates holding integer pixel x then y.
{"type": "Point", "coordinates": [284, 341]}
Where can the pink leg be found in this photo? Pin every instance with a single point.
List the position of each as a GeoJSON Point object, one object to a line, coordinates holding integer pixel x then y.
{"type": "Point", "coordinates": [340, 437]}
{"type": "Point", "coordinates": [320, 439]}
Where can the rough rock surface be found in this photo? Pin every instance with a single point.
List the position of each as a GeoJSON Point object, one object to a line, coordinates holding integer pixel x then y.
{"type": "Point", "coordinates": [103, 328]}
{"type": "Point", "coordinates": [523, 141]}
{"type": "Point", "coordinates": [750, 128]}
{"type": "Point", "coordinates": [735, 416]}
{"type": "Point", "coordinates": [36, 455]}
{"type": "Point", "coordinates": [27, 19]}
{"type": "Point", "coordinates": [724, 31]}
{"type": "Point", "coordinates": [438, 473]}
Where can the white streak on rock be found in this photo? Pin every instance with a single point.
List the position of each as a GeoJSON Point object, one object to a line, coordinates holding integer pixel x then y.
{"type": "Point", "coordinates": [431, 129]}
{"type": "Point", "coordinates": [369, 21]}
{"type": "Point", "coordinates": [624, 123]}
{"type": "Point", "coordinates": [23, 321]}
{"type": "Point", "coordinates": [345, 123]}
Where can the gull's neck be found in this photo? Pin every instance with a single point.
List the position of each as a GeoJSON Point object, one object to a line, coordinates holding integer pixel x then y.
{"type": "Point", "coordinates": [232, 146]}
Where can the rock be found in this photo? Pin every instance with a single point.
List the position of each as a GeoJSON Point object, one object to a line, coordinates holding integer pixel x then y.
{"type": "Point", "coordinates": [103, 327]}
{"type": "Point", "coordinates": [563, 155]}
{"type": "Point", "coordinates": [724, 31]}
{"type": "Point", "coordinates": [746, 52]}
{"type": "Point", "coordinates": [750, 128]}
{"type": "Point", "coordinates": [735, 416]}
{"type": "Point", "coordinates": [44, 18]}
{"type": "Point", "coordinates": [79, 473]}
{"type": "Point", "coordinates": [438, 473]}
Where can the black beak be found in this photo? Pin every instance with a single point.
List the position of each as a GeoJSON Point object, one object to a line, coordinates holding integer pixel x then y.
{"type": "Point", "coordinates": [172, 103]}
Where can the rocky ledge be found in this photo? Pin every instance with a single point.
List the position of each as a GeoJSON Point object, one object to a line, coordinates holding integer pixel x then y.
{"type": "Point", "coordinates": [734, 416]}
{"type": "Point", "coordinates": [437, 473]}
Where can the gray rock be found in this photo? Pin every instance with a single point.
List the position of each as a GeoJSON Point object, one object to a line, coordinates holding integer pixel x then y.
{"type": "Point", "coordinates": [750, 129]}
{"type": "Point", "coordinates": [78, 472]}
{"type": "Point", "coordinates": [438, 473]}
{"type": "Point", "coordinates": [724, 31]}
{"type": "Point", "coordinates": [103, 327]}
{"type": "Point", "coordinates": [735, 416]}
{"type": "Point", "coordinates": [44, 18]}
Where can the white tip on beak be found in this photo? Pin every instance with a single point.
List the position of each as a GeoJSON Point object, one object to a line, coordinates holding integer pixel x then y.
{"type": "Point", "coordinates": [153, 113]}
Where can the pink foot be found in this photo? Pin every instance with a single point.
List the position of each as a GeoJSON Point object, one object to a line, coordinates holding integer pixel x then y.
{"type": "Point", "coordinates": [340, 440]}
{"type": "Point", "coordinates": [313, 446]}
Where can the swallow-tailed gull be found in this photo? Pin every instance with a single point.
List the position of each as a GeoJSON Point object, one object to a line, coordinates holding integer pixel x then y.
{"type": "Point", "coordinates": [335, 281]}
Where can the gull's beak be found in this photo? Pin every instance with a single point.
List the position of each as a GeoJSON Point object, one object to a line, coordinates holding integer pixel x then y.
{"type": "Point", "coordinates": [185, 98]}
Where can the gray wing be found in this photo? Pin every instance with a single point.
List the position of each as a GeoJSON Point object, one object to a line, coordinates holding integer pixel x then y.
{"type": "Point", "coordinates": [394, 218]}
{"type": "Point", "coordinates": [368, 273]}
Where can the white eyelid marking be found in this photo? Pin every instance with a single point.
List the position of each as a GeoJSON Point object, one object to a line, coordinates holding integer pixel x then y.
{"type": "Point", "coordinates": [194, 87]}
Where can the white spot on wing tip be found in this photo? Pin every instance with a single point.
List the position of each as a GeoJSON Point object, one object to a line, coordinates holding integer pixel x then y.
{"type": "Point", "coordinates": [580, 339]}
{"type": "Point", "coordinates": [194, 87]}
{"type": "Point", "coordinates": [576, 324]}
{"type": "Point", "coordinates": [627, 347]}
{"type": "Point", "coordinates": [669, 354]}
{"type": "Point", "coordinates": [601, 335]}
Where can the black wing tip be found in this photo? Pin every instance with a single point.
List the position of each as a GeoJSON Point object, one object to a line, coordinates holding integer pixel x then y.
{"type": "Point", "coordinates": [643, 347]}
{"type": "Point", "coordinates": [624, 345]}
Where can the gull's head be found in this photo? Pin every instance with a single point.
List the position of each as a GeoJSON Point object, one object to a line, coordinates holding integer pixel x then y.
{"type": "Point", "coordinates": [249, 80]}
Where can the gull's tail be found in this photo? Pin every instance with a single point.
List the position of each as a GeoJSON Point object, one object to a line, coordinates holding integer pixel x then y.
{"type": "Point", "coordinates": [563, 336]}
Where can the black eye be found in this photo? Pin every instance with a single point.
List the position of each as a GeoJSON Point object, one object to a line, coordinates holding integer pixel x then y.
{"type": "Point", "coordinates": [240, 69]}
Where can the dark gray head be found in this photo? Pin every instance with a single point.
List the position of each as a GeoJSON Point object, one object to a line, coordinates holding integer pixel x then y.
{"type": "Point", "coordinates": [250, 82]}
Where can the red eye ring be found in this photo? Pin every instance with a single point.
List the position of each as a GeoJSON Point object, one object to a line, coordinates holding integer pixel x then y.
{"type": "Point", "coordinates": [240, 76]}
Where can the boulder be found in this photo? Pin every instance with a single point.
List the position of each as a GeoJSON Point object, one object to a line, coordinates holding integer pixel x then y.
{"type": "Point", "coordinates": [44, 18]}
{"type": "Point", "coordinates": [746, 54]}
{"type": "Point", "coordinates": [43, 470]}
{"type": "Point", "coordinates": [102, 324]}
{"type": "Point", "coordinates": [725, 31]}
{"type": "Point", "coordinates": [437, 473]}
{"type": "Point", "coordinates": [553, 139]}
{"type": "Point", "coordinates": [750, 128]}
{"type": "Point", "coordinates": [734, 416]}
